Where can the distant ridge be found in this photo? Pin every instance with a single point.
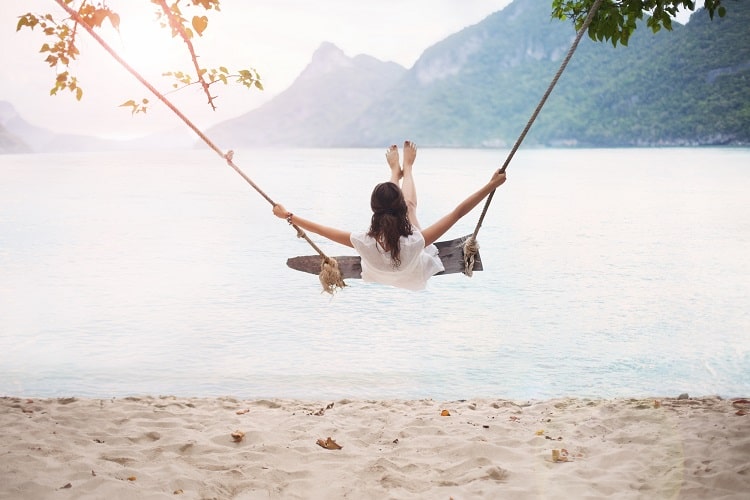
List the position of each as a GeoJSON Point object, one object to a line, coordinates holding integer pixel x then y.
{"type": "Point", "coordinates": [19, 136]}
{"type": "Point", "coordinates": [9, 141]}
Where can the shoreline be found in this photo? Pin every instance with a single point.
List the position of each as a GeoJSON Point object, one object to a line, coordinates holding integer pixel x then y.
{"type": "Point", "coordinates": [225, 447]}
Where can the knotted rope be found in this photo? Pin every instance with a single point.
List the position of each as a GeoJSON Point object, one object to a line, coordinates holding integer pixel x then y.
{"type": "Point", "coordinates": [471, 246]}
{"type": "Point", "coordinates": [330, 275]}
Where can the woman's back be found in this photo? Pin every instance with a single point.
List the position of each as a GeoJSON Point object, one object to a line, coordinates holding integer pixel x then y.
{"type": "Point", "coordinates": [417, 265]}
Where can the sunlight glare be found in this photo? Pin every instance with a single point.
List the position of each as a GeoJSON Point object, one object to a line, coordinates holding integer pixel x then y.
{"type": "Point", "coordinates": [150, 48]}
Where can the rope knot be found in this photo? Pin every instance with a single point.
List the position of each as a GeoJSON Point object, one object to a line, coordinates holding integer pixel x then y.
{"type": "Point", "coordinates": [471, 247]}
{"type": "Point", "coordinates": [330, 276]}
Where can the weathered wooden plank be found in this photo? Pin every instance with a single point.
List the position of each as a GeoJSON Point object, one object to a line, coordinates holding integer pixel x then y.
{"type": "Point", "coordinates": [450, 252]}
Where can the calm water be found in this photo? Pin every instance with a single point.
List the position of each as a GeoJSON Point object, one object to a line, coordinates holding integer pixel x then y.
{"type": "Point", "coordinates": [607, 273]}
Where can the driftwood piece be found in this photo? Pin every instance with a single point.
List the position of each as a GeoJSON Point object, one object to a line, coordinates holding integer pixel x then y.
{"type": "Point", "coordinates": [450, 252]}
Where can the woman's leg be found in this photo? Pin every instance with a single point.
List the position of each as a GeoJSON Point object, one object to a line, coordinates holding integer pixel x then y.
{"type": "Point", "coordinates": [408, 186]}
{"type": "Point", "coordinates": [391, 156]}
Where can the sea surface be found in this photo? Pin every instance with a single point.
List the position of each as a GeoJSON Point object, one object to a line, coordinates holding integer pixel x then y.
{"type": "Point", "coordinates": [607, 273]}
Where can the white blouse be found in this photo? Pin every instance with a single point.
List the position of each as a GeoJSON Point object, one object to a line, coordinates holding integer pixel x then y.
{"type": "Point", "coordinates": [418, 263]}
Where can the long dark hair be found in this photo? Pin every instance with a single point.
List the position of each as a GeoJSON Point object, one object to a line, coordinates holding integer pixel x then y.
{"type": "Point", "coordinates": [390, 218]}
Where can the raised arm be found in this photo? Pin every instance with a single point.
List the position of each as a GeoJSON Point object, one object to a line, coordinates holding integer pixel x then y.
{"type": "Point", "coordinates": [439, 228]}
{"type": "Point", "coordinates": [333, 234]}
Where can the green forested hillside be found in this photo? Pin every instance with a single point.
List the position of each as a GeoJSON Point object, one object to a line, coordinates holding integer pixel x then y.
{"type": "Point", "coordinates": [479, 87]}
{"type": "Point", "coordinates": [689, 86]}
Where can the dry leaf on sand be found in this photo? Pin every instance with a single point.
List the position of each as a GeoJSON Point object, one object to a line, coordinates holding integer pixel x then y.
{"type": "Point", "coordinates": [445, 413]}
{"type": "Point", "coordinates": [242, 412]}
{"type": "Point", "coordinates": [328, 444]}
{"type": "Point", "coordinates": [238, 436]}
{"type": "Point", "coordinates": [560, 455]}
{"type": "Point", "coordinates": [742, 405]}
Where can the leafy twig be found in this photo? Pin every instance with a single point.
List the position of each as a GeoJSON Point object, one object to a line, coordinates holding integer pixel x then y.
{"type": "Point", "coordinates": [175, 22]}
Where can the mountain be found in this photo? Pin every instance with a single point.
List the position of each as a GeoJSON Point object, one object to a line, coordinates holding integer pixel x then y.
{"type": "Point", "coordinates": [9, 141]}
{"type": "Point", "coordinates": [331, 90]}
{"type": "Point", "coordinates": [19, 136]}
{"type": "Point", "coordinates": [478, 88]}
{"type": "Point", "coordinates": [41, 140]}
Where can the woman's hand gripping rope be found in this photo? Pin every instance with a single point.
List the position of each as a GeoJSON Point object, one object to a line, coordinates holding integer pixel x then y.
{"type": "Point", "coordinates": [330, 274]}
{"type": "Point", "coordinates": [471, 246]}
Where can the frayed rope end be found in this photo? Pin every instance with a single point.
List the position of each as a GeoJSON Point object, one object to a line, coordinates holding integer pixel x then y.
{"type": "Point", "coordinates": [471, 247]}
{"type": "Point", "coordinates": [330, 276]}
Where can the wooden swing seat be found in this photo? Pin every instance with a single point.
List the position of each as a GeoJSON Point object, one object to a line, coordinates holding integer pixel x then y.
{"type": "Point", "coordinates": [451, 253]}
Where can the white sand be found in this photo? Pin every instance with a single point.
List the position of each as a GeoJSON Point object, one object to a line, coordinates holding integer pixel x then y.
{"type": "Point", "coordinates": [169, 447]}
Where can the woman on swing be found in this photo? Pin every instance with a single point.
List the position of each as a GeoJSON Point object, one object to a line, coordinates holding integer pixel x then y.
{"type": "Point", "coordinates": [396, 250]}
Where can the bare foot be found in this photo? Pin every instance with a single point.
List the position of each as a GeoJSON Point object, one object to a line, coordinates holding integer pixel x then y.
{"type": "Point", "coordinates": [410, 154]}
{"type": "Point", "coordinates": [391, 156]}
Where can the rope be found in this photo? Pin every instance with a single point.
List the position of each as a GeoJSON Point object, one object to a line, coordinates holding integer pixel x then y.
{"type": "Point", "coordinates": [330, 275]}
{"type": "Point", "coordinates": [471, 247]}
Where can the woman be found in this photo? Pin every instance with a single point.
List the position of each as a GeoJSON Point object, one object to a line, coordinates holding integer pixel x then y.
{"type": "Point", "coordinates": [395, 250]}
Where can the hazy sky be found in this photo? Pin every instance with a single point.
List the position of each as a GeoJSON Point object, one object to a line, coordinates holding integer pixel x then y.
{"type": "Point", "coordinates": [276, 37]}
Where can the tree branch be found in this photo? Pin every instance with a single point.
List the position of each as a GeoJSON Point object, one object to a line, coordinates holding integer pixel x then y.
{"type": "Point", "coordinates": [176, 25]}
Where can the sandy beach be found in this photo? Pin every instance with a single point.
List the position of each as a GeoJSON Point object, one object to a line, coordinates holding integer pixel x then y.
{"type": "Point", "coordinates": [168, 447]}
